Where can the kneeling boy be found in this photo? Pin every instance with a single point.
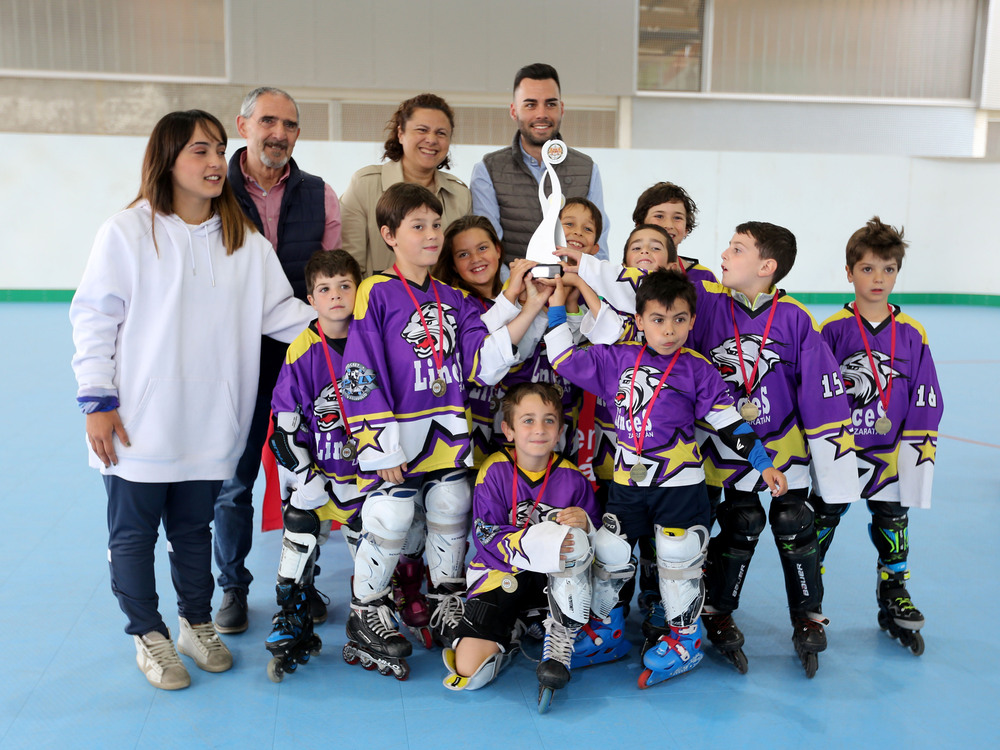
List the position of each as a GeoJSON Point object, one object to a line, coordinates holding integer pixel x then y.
{"type": "Point", "coordinates": [537, 525]}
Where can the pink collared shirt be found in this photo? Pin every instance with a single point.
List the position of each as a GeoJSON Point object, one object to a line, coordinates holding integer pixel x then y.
{"type": "Point", "coordinates": [268, 203]}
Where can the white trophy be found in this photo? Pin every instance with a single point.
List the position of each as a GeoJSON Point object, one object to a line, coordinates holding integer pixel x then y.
{"type": "Point", "coordinates": [549, 234]}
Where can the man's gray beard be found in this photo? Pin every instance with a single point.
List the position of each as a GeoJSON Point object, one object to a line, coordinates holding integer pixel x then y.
{"type": "Point", "coordinates": [271, 163]}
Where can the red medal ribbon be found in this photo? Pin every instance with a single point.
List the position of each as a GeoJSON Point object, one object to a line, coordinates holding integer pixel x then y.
{"type": "Point", "coordinates": [640, 437]}
{"type": "Point", "coordinates": [883, 394]}
{"type": "Point", "coordinates": [437, 355]}
{"type": "Point", "coordinates": [748, 382]}
{"type": "Point", "coordinates": [513, 494]}
{"type": "Point", "coordinates": [333, 378]}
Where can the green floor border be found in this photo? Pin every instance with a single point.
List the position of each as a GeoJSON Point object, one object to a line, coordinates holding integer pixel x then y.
{"type": "Point", "coordinates": [903, 298]}
{"type": "Point", "coordinates": [807, 298]}
{"type": "Point", "coordinates": [36, 295]}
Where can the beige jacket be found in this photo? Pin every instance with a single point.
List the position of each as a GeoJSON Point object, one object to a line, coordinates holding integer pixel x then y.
{"type": "Point", "coordinates": [361, 237]}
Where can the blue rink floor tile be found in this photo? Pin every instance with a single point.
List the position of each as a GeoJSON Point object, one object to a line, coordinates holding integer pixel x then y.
{"type": "Point", "coordinates": [70, 678]}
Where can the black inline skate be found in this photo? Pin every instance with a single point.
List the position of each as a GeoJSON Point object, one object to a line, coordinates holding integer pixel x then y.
{"type": "Point", "coordinates": [809, 639]}
{"type": "Point", "coordinates": [896, 613]}
{"type": "Point", "coordinates": [292, 640]}
{"type": "Point", "coordinates": [447, 606]}
{"type": "Point", "coordinates": [374, 640]}
{"type": "Point", "coordinates": [553, 670]}
{"type": "Point", "coordinates": [726, 637]}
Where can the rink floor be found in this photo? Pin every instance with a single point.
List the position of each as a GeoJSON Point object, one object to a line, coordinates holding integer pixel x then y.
{"type": "Point", "coordinates": [70, 678]}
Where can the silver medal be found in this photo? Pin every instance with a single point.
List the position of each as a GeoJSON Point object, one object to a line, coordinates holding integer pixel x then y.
{"type": "Point", "coordinates": [438, 387]}
{"type": "Point", "coordinates": [749, 411]}
{"type": "Point", "coordinates": [637, 473]}
{"type": "Point", "coordinates": [883, 425]}
{"type": "Point", "coordinates": [349, 449]}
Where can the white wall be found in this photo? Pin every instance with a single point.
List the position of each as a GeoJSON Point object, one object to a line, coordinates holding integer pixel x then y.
{"type": "Point", "coordinates": [56, 190]}
{"type": "Point", "coordinates": [814, 127]}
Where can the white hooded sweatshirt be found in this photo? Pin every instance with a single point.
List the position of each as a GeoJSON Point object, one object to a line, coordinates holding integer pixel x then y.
{"type": "Point", "coordinates": [175, 334]}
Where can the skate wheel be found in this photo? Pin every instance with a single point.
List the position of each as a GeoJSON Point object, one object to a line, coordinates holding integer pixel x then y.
{"type": "Point", "coordinates": [916, 643]}
{"type": "Point", "coordinates": [274, 671]}
{"type": "Point", "coordinates": [385, 671]}
{"type": "Point", "coordinates": [369, 665]}
{"type": "Point", "coordinates": [810, 663]}
{"type": "Point", "coordinates": [349, 656]}
{"type": "Point", "coordinates": [644, 679]}
{"type": "Point", "coordinates": [739, 660]}
{"type": "Point", "coordinates": [402, 671]}
{"type": "Point", "coordinates": [544, 699]}
{"type": "Point", "coordinates": [883, 619]}
{"type": "Point", "coordinates": [303, 658]}
{"type": "Point", "coordinates": [291, 667]}
{"type": "Point", "coordinates": [425, 637]}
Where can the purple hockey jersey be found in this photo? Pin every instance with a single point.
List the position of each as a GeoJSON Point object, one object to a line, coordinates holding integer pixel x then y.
{"type": "Point", "coordinates": [804, 411]}
{"type": "Point", "coordinates": [693, 391]}
{"type": "Point", "coordinates": [897, 466]}
{"type": "Point", "coordinates": [305, 390]}
{"type": "Point", "coordinates": [389, 365]}
{"type": "Point", "coordinates": [530, 541]}
{"type": "Point", "coordinates": [697, 272]}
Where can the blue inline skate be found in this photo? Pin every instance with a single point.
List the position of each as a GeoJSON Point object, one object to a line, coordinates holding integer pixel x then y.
{"type": "Point", "coordinates": [674, 654]}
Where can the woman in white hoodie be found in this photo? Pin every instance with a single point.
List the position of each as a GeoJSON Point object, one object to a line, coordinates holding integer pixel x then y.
{"type": "Point", "coordinates": [167, 321]}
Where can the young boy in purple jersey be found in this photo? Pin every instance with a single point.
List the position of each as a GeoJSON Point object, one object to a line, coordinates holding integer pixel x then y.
{"type": "Point", "coordinates": [659, 390]}
{"type": "Point", "coordinates": [414, 344]}
{"type": "Point", "coordinates": [669, 206]}
{"type": "Point", "coordinates": [470, 260]}
{"type": "Point", "coordinates": [649, 247]}
{"type": "Point", "coordinates": [537, 529]}
{"type": "Point", "coordinates": [887, 369]}
{"type": "Point", "coordinates": [787, 385]}
{"type": "Point", "coordinates": [316, 466]}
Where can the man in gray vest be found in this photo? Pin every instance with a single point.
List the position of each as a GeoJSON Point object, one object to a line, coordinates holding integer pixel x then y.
{"type": "Point", "coordinates": [299, 214]}
{"type": "Point", "coordinates": [505, 183]}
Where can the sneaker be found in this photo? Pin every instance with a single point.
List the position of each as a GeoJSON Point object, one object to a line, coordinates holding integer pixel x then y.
{"type": "Point", "coordinates": [157, 659]}
{"type": "Point", "coordinates": [202, 643]}
{"type": "Point", "coordinates": [317, 604]}
{"type": "Point", "coordinates": [232, 616]}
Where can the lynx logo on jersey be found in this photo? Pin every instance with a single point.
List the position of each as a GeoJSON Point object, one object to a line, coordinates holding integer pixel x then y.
{"type": "Point", "coordinates": [858, 379]}
{"type": "Point", "coordinates": [646, 379]}
{"type": "Point", "coordinates": [416, 334]}
{"type": "Point", "coordinates": [327, 410]}
{"type": "Point", "coordinates": [358, 381]}
{"type": "Point", "coordinates": [726, 357]}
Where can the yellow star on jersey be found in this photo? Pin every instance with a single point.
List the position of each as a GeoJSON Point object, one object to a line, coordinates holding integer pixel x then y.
{"type": "Point", "coordinates": [441, 454]}
{"type": "Point", "coordinates": [367, 436]}
{"type": "Point", "coordinates": [607, 467]}
{"type": "Point", "coordinates": [890, 471]}
{"type": "Point", "coordinates": [632, 276]}
{"type": "Point", "coordinates": [927, 450]}
{"type": "Point", "coordinates": [788, 449]}
{"type": "Point", "coordinates": [680, 454]}
{"type": "Point", "coordinates": [844, 441]}
{"type": "Point", "coordinates": [717, 475]}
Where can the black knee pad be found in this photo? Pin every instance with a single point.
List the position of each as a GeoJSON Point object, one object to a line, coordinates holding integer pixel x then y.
{"type": "Point", "coordinates": [300, 521]}
{"type": "Point", "coordinates": [827, 515]}
{"type": "Point", "coordinates": [791, 518]}
{"type": "Point", "coordinates": [741, 520]}
{"type": "Point", "coordinates": [889, 532]}
{"type": "Point", "coordinates": [887, 513]}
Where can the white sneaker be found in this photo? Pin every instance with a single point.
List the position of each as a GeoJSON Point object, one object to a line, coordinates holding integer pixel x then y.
{"type": "Point", "coordinates": [158, 660]}
{"type": "Point", "coordinates": [202, 643]}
